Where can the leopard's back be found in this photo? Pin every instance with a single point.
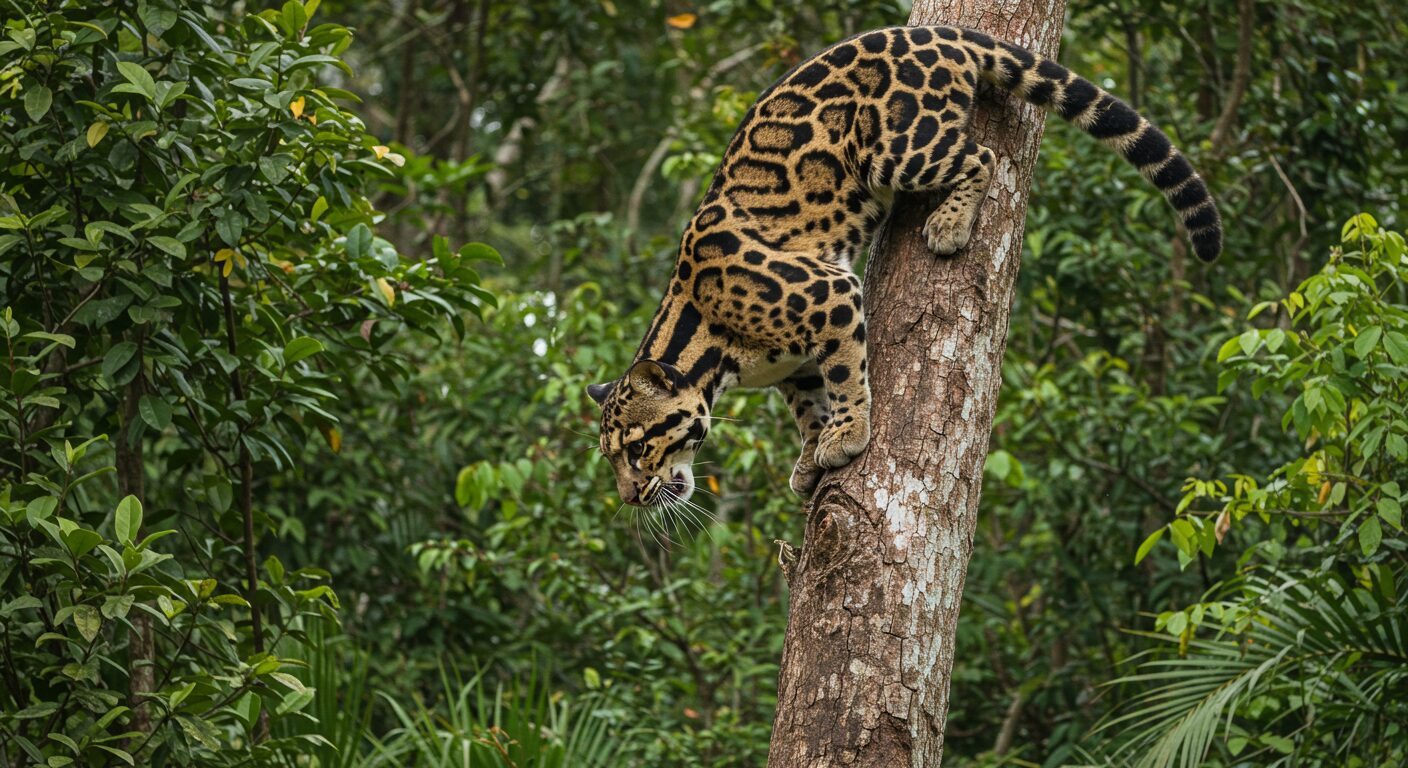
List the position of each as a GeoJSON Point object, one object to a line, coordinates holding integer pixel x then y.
{"type": "Point", "coordinates": [814, 162]}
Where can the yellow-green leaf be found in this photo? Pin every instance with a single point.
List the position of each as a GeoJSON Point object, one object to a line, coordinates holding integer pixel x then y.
{"type": "Point", "coordinates": [88, 621]}
{"type": "Point", "coordinates": [96, 132]}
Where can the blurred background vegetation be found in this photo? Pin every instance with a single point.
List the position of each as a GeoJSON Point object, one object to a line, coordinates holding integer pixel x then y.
{"type": "Point", "coordinates": [317, 289]}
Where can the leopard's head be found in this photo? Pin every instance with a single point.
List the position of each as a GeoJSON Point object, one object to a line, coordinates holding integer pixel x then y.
{"type": "Point", "coordinates": [651, 427]}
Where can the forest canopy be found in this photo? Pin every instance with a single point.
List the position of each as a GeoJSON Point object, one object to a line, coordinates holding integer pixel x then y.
{"type": "Point", "coordinates": [299, 301]}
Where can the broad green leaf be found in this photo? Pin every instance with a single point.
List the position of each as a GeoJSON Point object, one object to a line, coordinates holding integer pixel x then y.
{"type": "Point", "coordinates": [480, 252]}
{"type": "Point", "coordinates": [359, 239]}
{"type": "Point", "coordinates": [1249, 341]}
{"type": "Point", "coordinates": [1274, 339]}
{"type": "Point", "coordinates": [88, 621]}
{"type": "Point", "coordinates": [117, 359]}
{"type": "Point", "coordinates": [96, 132]}
{"type": "Point", "coordinates": [1397, 345]}
{"type": "Point", "coordinates": [200, 730]}
{"type": "Point", "coordinates": [294, 17]}
{"type": "Point", "coordinates": [288, 680]}
{"type": "Point", "coordinates": [37, 100]}
{"type": "Point", "coordinates": [127, 521]}
{"type": "Point", "coordinates": [137, 75]}
{"type": "Point", "coordinates": [169, 245]}
{"type": "Point", "coordinates": [117, 606]}
{"type": "Point", "coordinates": [294, 701]}
{"type": "Point", "coordinates": [1371, 534]}
{"type": "Point", "coordinates": [1365, 342]}
{"type": "Point", "coordinates": [1391, 511]}
{"type": "Point", "coordinates": [155, 411]}
{"type": "Point", "coordinates": [300, 348]}
{"type": "Point", "coordinates": [275, 568]}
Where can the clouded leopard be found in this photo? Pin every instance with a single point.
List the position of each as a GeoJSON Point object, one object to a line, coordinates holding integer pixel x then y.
{"type": "Point", "coordinates": [763, 293]}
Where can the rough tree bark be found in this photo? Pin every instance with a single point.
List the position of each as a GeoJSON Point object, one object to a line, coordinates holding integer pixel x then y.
{"type": "Point", "coordinates": [876, 591]}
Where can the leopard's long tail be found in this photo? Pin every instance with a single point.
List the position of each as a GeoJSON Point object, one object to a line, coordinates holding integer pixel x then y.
{"type": "Point", "coordinates": [1047, 84]}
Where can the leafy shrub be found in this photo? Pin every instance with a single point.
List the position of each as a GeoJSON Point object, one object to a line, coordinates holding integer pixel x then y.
{"type": "Point", "coordinates": [1306, 660]}
{"type": "Point", "coordinates": [189, 273]}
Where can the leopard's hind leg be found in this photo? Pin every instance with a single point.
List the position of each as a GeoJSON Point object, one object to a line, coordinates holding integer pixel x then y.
{"type": "Point", "coordinates": [949, 227]}
{"type": "Point", "coordinates": [962, 177]}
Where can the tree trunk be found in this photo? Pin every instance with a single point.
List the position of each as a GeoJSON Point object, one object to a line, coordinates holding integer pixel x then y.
{"type": "Point", "coordinates": [876, 592]}
{"type": "Point", "coordinates": [131, 481]}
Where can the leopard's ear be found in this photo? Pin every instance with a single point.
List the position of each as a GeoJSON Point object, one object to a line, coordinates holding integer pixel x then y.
{"type": "Point", "coordinates": [599, 392]}
{"type": "Point", "coordinates": [654, 375]}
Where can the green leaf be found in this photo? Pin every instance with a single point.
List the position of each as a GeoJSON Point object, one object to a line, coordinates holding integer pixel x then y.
{"type": "Point", "coordinates": [23, 602]}
{"type": "Point", "coordinates": [1249, 341]}
{"type": "Point", "coordinates": [1274, 339]}
{"type": "Point", "coordinates": [275, 568]}
{"type": "Point", "coordinates": [230, 227]}
{"type": "Point", "coordinates": [120, 754]}
{"type": "Point", "coordinates": [1391, 511]}
{"type": "Point", "coordinates": [247, 708]}
{"type": "Point", "coordinates": [117, 606]}
{"type": "Point", "coordinates": [1397, 346]}
{"type": "Point", "coordinates": [127, 521]}
{"type": "Point", "coordinates": [137, 75]}
{"type": "Point", "coordinates": [480, 252]}
{"type": "Point", "coordinates": [40, 509]}
{"type": "Point", "coordinates": [96, 132]}
{"type": "Point", "coordinates": [288, 680]}
{"type": "Point", "coordinates": [358, 241]}
{"type": "Point", "coordinates": [57, 338]}
{"type": "Point", "coordinates": [1148, 545]}
{"type": "Point", "coordinates": [155, 411]}
{"type": "Point", "coordinates": [117, 359]}
{"type": "Point", "coordinates": [301, 348]}
{"type": "Point", "coordinates": [88, 621]}
{"type": "Point", "coordinates": [294, 18]}
{"type": "Point", "coordinates": [1184, 536]}
{"type": "Point", "coordinates": [37, 101]}
{"type": "Point", "coordinates": [81, 541]}
{"type": "Point", "coordinates": [169, 245]}
{"type": "Point", "coordinates": [1365, 342]}
{"type": "Point", "coordinates": [999, 464]}
{"type": "Point", "coordinates": [1371, 534]}
{"type": "Point", "coordinates": [201, 731]}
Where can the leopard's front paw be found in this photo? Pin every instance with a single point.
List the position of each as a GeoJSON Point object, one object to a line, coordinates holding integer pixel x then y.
{"type": "Point", "coordinates": [839, 443]}
{"type": "Point", "coordinates": [806, 474]}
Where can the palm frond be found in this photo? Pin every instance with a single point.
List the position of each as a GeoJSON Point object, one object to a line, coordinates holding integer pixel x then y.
{"type": "Point", "coordinates": [1319, 659]}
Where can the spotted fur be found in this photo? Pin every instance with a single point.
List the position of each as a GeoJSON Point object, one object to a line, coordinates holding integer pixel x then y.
{"type": "Point", "coordinates": [763, 293]}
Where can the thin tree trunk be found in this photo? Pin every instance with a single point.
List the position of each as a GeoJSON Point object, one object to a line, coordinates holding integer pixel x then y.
{"type": "Point", "coordinates": [131, 481]}
{"type": "Point", "coordinates": [876, 593]}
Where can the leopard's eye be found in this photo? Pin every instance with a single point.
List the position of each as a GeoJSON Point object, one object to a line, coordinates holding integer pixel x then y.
{"type": "Point", "coordinates": [634, 451]}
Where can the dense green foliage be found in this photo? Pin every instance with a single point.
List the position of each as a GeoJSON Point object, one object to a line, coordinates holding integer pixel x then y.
{"type": "Point", "coordinates": [188, 274]}
{"type": "Point", "coordinates": [283, 481]}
